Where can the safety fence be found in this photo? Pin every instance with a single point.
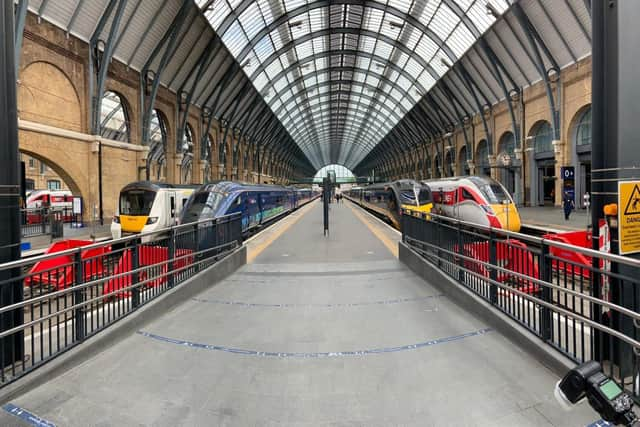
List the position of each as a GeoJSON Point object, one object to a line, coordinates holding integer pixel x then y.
{"type": "Point", "coordinates": [564, 294]}
{"type": "Point", "coordinates": [45, 221]}
{"type": "Point", "coordinates": [51, 303]}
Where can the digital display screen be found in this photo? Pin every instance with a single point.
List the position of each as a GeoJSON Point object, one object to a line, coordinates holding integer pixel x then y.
{"type": "Point", "coordinates": [610, 389]}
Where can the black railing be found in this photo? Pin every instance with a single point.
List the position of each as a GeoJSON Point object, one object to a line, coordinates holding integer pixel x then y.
{"type": "Point", "coordinates": [562, 298]}
{"type": "Point", "coordinates": [71, 295]}
{"type": "Point", "coordinates": [44, 221]}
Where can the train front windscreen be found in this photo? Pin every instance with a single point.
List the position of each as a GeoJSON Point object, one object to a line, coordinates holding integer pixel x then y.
{"type": "Point", "coordinates": [203, 205]}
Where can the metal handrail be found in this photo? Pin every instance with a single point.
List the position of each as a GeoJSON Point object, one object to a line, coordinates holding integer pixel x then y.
{"type": "Point", "coordinates": [539, 240]}
{"type": "Point", "coordinates": [44, 257]}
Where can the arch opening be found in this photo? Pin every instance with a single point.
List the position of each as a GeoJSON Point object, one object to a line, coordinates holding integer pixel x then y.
{"type": "Point", "coordinates": [543, 165]}
{"type": "Point", "coordinates": [158, 146]}
{"type": "Point", "coordinates": [114, 118]}
{"type": "Point", "coordinates": [343, 174]}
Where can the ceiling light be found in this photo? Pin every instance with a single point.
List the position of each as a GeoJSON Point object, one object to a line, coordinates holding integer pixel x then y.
{"type": "Point", "coordinates": [395, 25]}
{"type": "Point", "coordinates": [295, 24]}
{"type": "Point", "coordinates": [445, 63]}
{"type": "Point", "coordinates": [491, 10]}
{"type": "Point", "coordinates": [246, 63]}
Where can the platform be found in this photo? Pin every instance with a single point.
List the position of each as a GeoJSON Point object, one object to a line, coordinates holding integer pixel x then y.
{"type": "Point", "coordinates": [552, 218]}
{"type": "Point", "coordinates": [314, 331]}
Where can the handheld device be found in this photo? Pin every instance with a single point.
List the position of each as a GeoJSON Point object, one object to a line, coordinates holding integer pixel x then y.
{"type": "Point", "coordinates": [603, 394]}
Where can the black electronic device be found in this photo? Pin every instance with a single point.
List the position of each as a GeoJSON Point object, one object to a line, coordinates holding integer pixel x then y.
{"type": "Point", "coordinates": [603, 394]}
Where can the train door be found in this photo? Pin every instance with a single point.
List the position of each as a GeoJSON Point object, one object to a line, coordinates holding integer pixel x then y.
{"type": "Point", "coordinates": [171, 207]}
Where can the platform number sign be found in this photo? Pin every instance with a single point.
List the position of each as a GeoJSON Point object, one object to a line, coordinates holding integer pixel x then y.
{"type": "Point", "coordinates": [629, 216]}
{"type": "Point", "coordinates": [567, 172]}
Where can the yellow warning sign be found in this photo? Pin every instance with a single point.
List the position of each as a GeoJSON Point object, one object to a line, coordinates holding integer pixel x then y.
{"type": "Point", "coordinates": [629, 216]}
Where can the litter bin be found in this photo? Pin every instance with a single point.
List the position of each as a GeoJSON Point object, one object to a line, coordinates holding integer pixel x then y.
{"type": "Point", "coordinates": [56, 227]}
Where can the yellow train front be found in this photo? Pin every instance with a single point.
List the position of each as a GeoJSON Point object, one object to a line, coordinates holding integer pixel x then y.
{"type": "Point", "coordinates": [389, 199]}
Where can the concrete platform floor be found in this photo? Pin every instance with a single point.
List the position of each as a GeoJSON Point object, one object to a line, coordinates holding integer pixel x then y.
{"type": "Point", "coordinates": [315, 331]}
{"type": "Point", "coordinates": [552, 218]}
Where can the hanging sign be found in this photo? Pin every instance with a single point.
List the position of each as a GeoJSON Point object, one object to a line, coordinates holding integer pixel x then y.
{"type": "Point", "coordinates": [629, 217]}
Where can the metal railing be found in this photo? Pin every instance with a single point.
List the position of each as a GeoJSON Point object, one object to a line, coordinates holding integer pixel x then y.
{"type": "Point", "coordinates": [43, 221]}
{"type": "Point", "coordinates": [53, 302]}
{"type": "Point", "coordinates": [538, 283]}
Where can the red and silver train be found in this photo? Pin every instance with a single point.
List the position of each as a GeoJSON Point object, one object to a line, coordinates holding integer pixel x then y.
{"type": "Point", "coordinates": [477, 199]}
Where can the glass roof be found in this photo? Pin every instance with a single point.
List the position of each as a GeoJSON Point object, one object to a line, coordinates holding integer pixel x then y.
{"type": "Point", "coordinates": [340, 76]}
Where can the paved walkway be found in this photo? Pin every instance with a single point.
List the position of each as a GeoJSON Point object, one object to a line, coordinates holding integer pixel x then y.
{"type": "Point", "coordinates": [553, 218]}
{"type": "Point", "coordinates": [315, 331]}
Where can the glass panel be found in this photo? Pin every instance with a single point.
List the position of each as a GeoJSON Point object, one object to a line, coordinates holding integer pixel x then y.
{"type": "Point", "coordinates": [583, 131]}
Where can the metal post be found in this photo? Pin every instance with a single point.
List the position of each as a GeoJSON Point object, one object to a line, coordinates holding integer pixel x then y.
{"type": "Point", "coordinates": [546, 276]}
{"type": "Point", "coordinates": [493, 273]}
{"type": "Point", "coordinates": [135, 264]}
{"type": "Point", "coordinates": [78, 297]}
{"type": "Point", "coordinates": [11, 347]}
{"type": "Point", "coordinates": [326, 197]}
{"type": "Point", "coordinates": [171, 254]}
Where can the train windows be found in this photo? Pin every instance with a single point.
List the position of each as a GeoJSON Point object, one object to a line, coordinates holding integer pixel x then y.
{"type": "Point", "coordinates": [466, 195]}
{"type": "Point", "coordinates": [204, 205]}
{"type": "Point", "coordinates": [136, 202]}
{"type": "Point", "coordinates": [491, 190]}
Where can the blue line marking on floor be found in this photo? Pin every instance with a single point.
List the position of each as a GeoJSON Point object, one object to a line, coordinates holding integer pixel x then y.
{"type": "Point", "coordinates": [318, 354]}
{"type": "Point", "coordinates": [339, 305]}
{"type": "Point", "coordinates": [600, 423]}
{"type": "Point", "coordinates": [27, 416]}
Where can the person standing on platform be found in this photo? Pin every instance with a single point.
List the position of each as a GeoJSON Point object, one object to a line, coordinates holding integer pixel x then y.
{"type": "Point", "coordinates": [567, 205]}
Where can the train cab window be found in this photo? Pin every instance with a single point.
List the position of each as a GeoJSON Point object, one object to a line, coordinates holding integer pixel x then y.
{"type": "Point", "coordinates": [466, 195]}
{"type": "Point", "coordinates": [203, 205]}
{"type": "Point", "coordinates": [136, 202]}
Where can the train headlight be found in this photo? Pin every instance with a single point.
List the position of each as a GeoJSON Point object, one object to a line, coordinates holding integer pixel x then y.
{"type": "Point", "coordinates": [116, 219]}
{"type": "Point", "coordinates": [152, 220]}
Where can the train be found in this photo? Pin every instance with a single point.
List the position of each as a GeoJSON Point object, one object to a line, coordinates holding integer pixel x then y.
{"type": "Point", "coordinates": [390, 198]}
{"type": "Point", "coordinates": [257, 203]}
{"type": "Point", "coordinates": [477, 199]}
{"type": "Point", "coordinates": [53, 200]}
{"type": "Point", "coordinates": [146, 206]}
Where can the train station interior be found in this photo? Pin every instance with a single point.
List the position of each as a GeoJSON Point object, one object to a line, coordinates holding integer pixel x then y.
{"type": "Point", "coordinates": [319, 213]}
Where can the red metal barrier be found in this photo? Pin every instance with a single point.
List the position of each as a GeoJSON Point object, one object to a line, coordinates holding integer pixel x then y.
{"type": "Point", "coordinates": [148, 256]}
{"type": "Point", "coordinates": [576, 262]}
{"type": "Point", "coordinates": [512, 255]}
{"type": "Point", "coordinates": [59, 272]}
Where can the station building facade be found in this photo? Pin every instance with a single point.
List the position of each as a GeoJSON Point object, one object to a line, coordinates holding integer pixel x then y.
{"type": "Point", "coordinates": [540, 164]}
{"type": "Point", "coordinates": [54, 127]}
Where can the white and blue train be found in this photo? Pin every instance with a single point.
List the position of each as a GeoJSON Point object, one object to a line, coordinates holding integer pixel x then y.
{"type": "Point", "coordinates": [258, 204]}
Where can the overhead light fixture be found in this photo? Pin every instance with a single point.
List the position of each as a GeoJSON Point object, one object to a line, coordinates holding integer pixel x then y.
{"type": "Point", "coordinates": [445, 63]}
{"type": "Point", "coordinates": [491, 10]}
{"type": "Point", "coordinates": [419, 93]}
{"type": "Point", "coordinates": [246, 63]}
{"type": "Point", "coordinates": [379, 65]}
{"type": "Point", "coordinates": [295, 24]}
{"type": "Point", "coordinates": [304, 66]}
{"type": "Point", "coordinates": [396, 25]}
{"type": "Point", "coordinates": [447, 135]}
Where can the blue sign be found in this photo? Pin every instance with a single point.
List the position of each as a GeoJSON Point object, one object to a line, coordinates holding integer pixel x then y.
{"type": "Point", "coordinates": [567, 172]}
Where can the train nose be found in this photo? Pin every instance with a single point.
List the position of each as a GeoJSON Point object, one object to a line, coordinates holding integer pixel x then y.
{"type": "Point", "coordinates": [508, 216]}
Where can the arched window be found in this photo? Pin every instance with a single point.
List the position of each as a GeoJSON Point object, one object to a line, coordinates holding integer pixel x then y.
{"type": "Point", "coordinates": [542, 137]}
{"type": "Point", "coordinates": [187, 141]}
{"type": "Point", "coordinates": [482, 158]}
{"type": "Point", "coordinates": [158, 145]}
{"type": "Point", "coordinates": [583, 128]}
{"type": "Point", "coordinates": [114, 118]}
{"type": "Point", "coordinates": [448, 163]}
{"type": "Point", "coordinates": [207, 148]}
{"type": "Point", "coordinates": [186, 149]}
{"type": "Point", "coordinates": [427, 166]}
{"type": "Point", "coordinates": [507, 144]}
{"type": "Point", "coordinates": [222, 153]}
{"type": "Point", "coordinates": [507, 175]}
{"type": "Point", "coordinates": [463, 164]}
